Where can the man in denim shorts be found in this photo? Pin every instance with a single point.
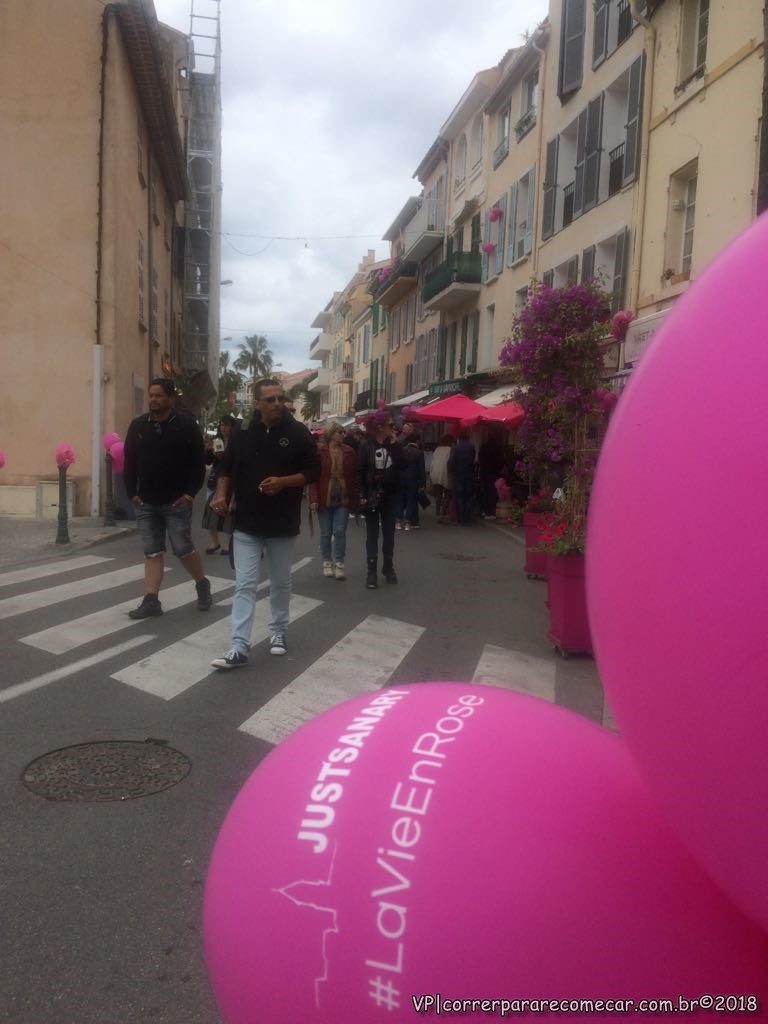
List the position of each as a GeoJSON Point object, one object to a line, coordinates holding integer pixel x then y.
{"type": "Point", "coordinates": [164, 469]}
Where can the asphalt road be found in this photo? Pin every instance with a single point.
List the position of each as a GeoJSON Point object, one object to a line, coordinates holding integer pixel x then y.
{"type": "Point", "coordinates": [102, 901]}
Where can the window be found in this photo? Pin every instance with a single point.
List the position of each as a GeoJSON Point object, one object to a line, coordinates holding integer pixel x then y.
{"type": "Point", "coordinates": [486, 355]}
{"type": "Point", "coordinates": [461, 163]}
{"type": "Point", "coordinates": [547, 278]}
{"type": "Point", "coordinates": [693, 39]}
{"type": "Point", "coordinates": [153, 195]}
{"type": "Point", "coordinates": [521, 298]}
{"type": "Point", "coordinates": [140, 152]}
{"type": "Point", "coordinates": [477, 140]}
{"type": "Point", "coordinates": [681, 221]}
{"type": "Point", "coordinates": [154, 317]}
{"type": "Point", "coordinates": [495, 231]}
{"type": "Point", "coordinates": [571, 47]}
{"type": "Point", "coordinates": [394, 341]}
{"type": "Point", "coordinates": [520, 217]}
{"type": "Point", "coordinates": [588, 263]}
{"type": "Point", "coordinates": [550, 188]}
{"type": "Point", "coordinates": [503, 122]}
{"type": "Point", "coordinates": [366, 342]}
{"type": "Point", "coordinates": [612, 26]}
{"type": "Point", "coordinates": [432, 356]}
{"type": "Point", "coordinates": [530, 92]}
{"type": "Point", "coordinates": [167, 320]}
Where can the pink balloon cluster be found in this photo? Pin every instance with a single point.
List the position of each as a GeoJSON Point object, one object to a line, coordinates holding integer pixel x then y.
{"type": "Point", "coordinates": [117, 453]}
{"type": "Point", "coordinates": [109, 439]}
{"type": "Point", "coordinates": [676, 581]}
{"type": "Point", "coordinates": [2, 458]}
{"type": "Point", "coordinates": [65, 455]}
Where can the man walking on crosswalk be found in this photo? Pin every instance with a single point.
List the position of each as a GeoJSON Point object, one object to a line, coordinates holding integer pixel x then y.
{"type": "Point", "coordinates": [164, 470]}
{"type": "Point", "coordinates": [263, 472]}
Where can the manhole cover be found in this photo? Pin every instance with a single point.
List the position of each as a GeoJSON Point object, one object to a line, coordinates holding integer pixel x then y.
{"type": "Point", "coordinates": [453, 557]}
{"type": "Point", "coordinates": [110, 770]}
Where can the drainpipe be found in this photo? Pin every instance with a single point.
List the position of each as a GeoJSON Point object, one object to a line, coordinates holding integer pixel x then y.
{"type": "Point", "coordinates": [542, 52]}
{"type": "Point", "coordinates": [150, 225]}
{"type": "Point", "coordinates": [642, 188]}
{"type": "Point", "coordinates": [97, 351]}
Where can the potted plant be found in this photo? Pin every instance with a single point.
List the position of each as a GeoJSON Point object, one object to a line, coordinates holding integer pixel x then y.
{"type": "Point", "coordinates": [535, 556]}
{"type": "Point", "coordinates": [563, 534]}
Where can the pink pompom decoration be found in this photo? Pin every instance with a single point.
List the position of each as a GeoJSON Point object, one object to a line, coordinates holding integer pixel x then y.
{"type": "Point", "coordinates": [65, 455]}
{"type": "Point", "coordinates": [117, 453]}
{"type": "Point", "coordinates": [2, 458]}
{"type": "Point", "coordinates": [109, 439]}
{"type": "Point", "coordinates": [494, 213]}
{"type": "Point", "coordinates": [620, 323]}
{"type": "Point", "coordinates": [488, 247]}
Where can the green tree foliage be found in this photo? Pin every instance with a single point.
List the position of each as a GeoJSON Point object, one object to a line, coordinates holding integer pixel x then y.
{"type": "Point", "coordinates": [307, 402]}
{"type": "Point", "coordinates": [255, 358]}
{"type": "Point", "coordinates": [230, 382]}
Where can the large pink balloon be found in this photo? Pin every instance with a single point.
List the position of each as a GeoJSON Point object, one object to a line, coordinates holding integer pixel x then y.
{"type": "Point", "coordinates": [677, 566]}
{"type": "Point", "coordinates": [461, 840]}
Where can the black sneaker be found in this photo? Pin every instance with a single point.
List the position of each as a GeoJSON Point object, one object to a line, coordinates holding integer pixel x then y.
{"type": "Point", "coordinates": [232, 659]}
{"type": "Point", "coordinates": [277, 644]}
{"type": "Point", "coordinates": [389, 574]}
{"type": "Point", "coordinates": [149, 607]}
{"type": "Point", "coordinates": [204, 599]}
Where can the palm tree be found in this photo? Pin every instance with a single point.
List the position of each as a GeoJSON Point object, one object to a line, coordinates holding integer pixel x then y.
{"type": "Point", "coordinates": [310, 400]}
{"type": "Point", "coordinates": [255, 357]}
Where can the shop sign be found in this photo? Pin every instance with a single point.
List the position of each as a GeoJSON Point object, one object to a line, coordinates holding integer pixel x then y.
{"type": "Point", "coordinates": [446, 387]}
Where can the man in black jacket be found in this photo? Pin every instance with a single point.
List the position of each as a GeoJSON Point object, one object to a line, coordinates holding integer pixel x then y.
{"type": "Point", "coordinates": [164, 469]}
{"type": "Point", "coordinates": [263, 472]}
{"type": "Point", "coordinates": [379, 465]}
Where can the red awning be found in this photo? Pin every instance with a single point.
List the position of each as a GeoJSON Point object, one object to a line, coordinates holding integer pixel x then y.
{"type": "Point", "coordinates": [509, 413]}
{"type": "Point", "coordinates": [455, 407]}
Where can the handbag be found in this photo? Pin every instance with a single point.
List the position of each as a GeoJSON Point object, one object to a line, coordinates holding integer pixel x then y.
{"type": "Point", "coordinates": [423, 499]}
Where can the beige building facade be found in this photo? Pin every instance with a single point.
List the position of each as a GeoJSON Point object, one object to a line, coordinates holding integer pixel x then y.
{"type": "Point", "coordinates": [92, 206]}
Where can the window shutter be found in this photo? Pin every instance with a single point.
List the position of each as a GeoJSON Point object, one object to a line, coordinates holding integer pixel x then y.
{"type": "Point", "coordinates": [528, 240]}
{"type": "Point", "coordinates": [449, 247]}
{"type": "Point", "coordinates": [620, 269]}
{"type": "Point", "coordinates": [512, 218]}
{"type": "Point", "coordinates": [634, 110]}
{"type": "Point", "coordinates": [550, 189]}
{"type": "Point", "coordinates": [463, 351]}
{"type": "Point", "coordinates": [572, 273]}
{"type": "Point", "coordinates": [588, 263]}
{"type": "Point", "coordinates": [487, 238]}
{"type": "Point", "coordinates": [548, 278]}
{"type": "Point", "coordinates": [375, 316]}
{"type": "Point", "coordinates": [572, 47]}
{"type": "Point", "coordinates": [593, 150]}
{"type": "Point", "coordinates": [472, 368]}
{"type": "Point", "coordinates": [442, 345]}
{"type": "Point", "coordinates": [578, 177]}
{"type": "Point", "coordinates": [498, 254]}
{"type": "Point", "coordinates": [600, 44]}
{"type": "Point", "coordinates": [474, 244]}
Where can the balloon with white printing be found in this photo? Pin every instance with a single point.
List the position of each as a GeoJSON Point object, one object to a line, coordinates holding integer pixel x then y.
{"type": "Point", "coordinates": [446, 842]}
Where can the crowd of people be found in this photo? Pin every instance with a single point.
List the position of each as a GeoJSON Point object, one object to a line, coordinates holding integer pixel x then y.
{"type": "Point", "coordinates": [259, 475]}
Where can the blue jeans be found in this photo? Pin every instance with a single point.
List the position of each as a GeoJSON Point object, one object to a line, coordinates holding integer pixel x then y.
{"type": "Point", "coordinates": [333, 533]}
{"type": "Point", "coordinates": [463, 489]}
{"type": "Point", "coordinates": [154, 521]}
{"type": "Point", "coordinates": [409, 505]}
{"type": "Point", "coordinates": [247, 552]}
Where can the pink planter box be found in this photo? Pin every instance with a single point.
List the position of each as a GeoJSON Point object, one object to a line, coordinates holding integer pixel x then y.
{"type": "Point", "coordinates": [535, 561]}
{"type": "Point", "coordinates": [567, 603]}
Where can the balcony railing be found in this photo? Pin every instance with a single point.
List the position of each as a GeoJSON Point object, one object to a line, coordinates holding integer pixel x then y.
{"type": "Point", "coordinates": [406, 269]}
{"type": "Point", "coordinates": [461, 266]}
{"type": "Point", "coordinates": [615, 169]}
{"type": "Point", "coordinates": [425, 229]}
{"type": "Point", "coordinates": [345, 371]}
{"type": "Point", "coordinates": [501, 151]}
{"type": "Point", "coordinates": [568, 191]}
{"type": "Point", "coordinates": [526, 122]}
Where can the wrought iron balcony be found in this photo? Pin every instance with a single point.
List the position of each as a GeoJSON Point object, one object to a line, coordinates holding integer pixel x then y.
{"type": "Point", "coordinates": [397, 283]}
{"type": "Point", "coordinates": [501, 151]}
{"type": "Point", "coordinates": [615, 169]}
{"type": "Point", "coordinates": [568, 191]}
{"type": "Point", "coordinates": [525, 123]}
{"type": "Point", "coordinates": [453, 281]}
{"type": "Point", "coordinates": [344, 371]}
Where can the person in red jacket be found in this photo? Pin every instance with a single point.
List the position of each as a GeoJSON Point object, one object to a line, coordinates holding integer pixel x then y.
{"type": "Point", "coordinates": [333, 496]}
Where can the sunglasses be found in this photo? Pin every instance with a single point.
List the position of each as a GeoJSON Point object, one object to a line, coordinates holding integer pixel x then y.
{"type": "Point", "coordinates": [273, 398]}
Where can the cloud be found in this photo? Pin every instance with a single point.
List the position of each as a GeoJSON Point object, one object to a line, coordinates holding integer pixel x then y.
{"type": "Point", "coordinates": [328, 108]}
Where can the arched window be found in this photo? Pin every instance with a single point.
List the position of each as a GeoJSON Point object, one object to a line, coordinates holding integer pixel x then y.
{"type": "Point", "coordinates": [477, 140]}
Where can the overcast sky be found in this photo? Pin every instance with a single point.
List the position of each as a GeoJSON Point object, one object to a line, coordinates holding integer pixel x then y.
{"type": "Point", "coordinates": [328, 108]}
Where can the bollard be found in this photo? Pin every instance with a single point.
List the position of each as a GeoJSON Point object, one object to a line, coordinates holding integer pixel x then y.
{"type": "Point", "coordinates": [109, 507]}
{"type": "Point", "coordinates": [62, 534]}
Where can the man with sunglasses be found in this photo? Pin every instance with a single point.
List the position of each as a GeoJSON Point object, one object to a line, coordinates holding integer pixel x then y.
{"type": "Point", "coordinates": [263, 473]}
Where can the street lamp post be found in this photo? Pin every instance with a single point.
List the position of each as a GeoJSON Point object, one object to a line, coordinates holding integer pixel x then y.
{"type": "Point", "coordinates": [62, 533]}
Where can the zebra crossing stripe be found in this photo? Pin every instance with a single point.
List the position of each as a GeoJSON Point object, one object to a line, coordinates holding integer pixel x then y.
{"type": "Point", "coordinates": [514, 670]}
{"type": "Point", "coordinates": [68, 635]}
{"type": "Point", "coordinates": [39, 572]}
{"type": "Point", "coordinates": [179, 666]}
{"type": "Point", "coordinates": [362, 661]}
{"type": "Point", "coordinates": [10, 606]}
{"type": "Point", "coordinates": [68, 670]}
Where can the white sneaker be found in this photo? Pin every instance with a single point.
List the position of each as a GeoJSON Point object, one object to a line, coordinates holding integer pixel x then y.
{"type": "Point", "coordinates": [339, 570]}
{"type": "Point", "coordinates": [277, 643]}
{"type": "Point", "coordinates": [328, 569]}
{"type": "Point", "coordinates": [407, 527]}
{"type": "Point", "coordinates": [398, 525]}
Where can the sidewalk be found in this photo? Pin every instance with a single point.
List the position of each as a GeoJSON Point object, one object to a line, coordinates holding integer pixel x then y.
{"type": "Point", "coordinates": [24, 540]}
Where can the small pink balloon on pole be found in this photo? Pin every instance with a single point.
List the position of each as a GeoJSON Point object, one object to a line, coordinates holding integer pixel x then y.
{"type": "Point", "coordinates": [65, 455]}
{"type": "Point", "coordinates": [117, 452]}
{"type": "Point", "coordinates": [109, 439]}
{"type": "Point", "coordinates": [2, 458]}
